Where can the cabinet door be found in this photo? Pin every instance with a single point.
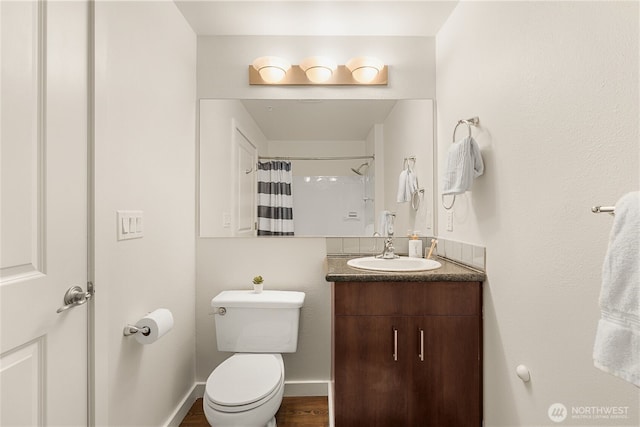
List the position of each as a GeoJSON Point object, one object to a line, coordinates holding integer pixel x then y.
{"type": "Point", "coordinates": [371, 371]}
{"type": "Point", "coordinates": [447, 383]}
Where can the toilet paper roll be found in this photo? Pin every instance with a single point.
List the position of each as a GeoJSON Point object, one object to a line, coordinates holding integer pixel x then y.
{"type": "Point", "coordinates": [159, 323]}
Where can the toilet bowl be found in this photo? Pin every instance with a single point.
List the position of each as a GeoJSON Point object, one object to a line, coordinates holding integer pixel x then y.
{"type": "Point", "coordinates": [245, 391]}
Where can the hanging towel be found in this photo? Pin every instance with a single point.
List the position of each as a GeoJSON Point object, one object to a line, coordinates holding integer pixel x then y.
{"type": "Point", "coordinates": [617, 343]}
{"type": "Point", "coordinates": [383, 223]}
{"type": "Point", "coordinates": [412, 183]}
{"type": "Point", "coordinates": [402, 187]}
{"type": "Point", "coordinates": [464, 164]}
{"type": "Point", "coordinates": [407, 185]}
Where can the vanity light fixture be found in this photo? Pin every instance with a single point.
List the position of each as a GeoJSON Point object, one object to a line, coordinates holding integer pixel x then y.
{"type": "Point", "coordinates": [271, 68]}
{"type": "Point", "coordinates": [364, 68]}
{"type": "Point", "coordinates": [318, 69]}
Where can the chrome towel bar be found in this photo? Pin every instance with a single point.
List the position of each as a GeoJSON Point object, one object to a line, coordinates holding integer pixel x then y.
{"type": "Point", "coordinates": [604, 209]}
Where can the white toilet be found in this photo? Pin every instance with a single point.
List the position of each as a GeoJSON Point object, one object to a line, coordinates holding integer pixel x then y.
{"type": "Point", "coordinates": [246, 389]}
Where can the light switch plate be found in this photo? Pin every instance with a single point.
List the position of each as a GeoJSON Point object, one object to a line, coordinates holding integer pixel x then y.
{"type": "Point", "coordinates": [226, 220]}
{"type": "Point", "coordinates": [449, 221]}
{"type": "Point", "coordinates": [129, 225]}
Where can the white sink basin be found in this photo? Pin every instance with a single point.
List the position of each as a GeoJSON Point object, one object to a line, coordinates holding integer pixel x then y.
{"type": "Point", "coordinates": [402, 263]}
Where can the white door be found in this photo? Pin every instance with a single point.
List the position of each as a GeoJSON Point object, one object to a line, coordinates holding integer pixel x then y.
{"type": "Point", "coordinates": [245, 205]}
{"type": "Point", "coordinates": [43, 204]}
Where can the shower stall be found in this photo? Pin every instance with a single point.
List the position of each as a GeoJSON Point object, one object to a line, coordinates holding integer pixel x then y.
{"type": "Point", "coordinates": [336, 204]}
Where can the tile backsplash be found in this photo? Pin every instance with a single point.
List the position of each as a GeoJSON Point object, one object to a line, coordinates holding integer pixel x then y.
{"type": "Point", "coordinates": [471, 255]}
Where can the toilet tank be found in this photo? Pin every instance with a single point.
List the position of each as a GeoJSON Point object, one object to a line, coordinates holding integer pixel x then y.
{"type": "Point", "coordinates": [265, 322]}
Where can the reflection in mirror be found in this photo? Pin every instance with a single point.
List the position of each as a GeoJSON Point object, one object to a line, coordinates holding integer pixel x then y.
{"type": "Point", "coordinates": [346, 156]}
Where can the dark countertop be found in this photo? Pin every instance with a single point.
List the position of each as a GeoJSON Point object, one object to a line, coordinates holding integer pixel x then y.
{"type": "Point", "coordinates": [338, 271]}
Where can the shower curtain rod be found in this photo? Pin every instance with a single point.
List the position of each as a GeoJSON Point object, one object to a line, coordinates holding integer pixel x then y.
{"type": "Point", "coordinates": [317, 158]}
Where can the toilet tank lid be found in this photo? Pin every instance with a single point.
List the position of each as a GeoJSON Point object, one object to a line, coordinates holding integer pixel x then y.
{"type": "Point", "coordinates": [264, 299]}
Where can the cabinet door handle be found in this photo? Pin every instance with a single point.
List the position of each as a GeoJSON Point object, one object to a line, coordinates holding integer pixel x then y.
{"type": "Point", "coordinates": [395, 345]}
{"type": "Point", "coordinates": [421, 354]}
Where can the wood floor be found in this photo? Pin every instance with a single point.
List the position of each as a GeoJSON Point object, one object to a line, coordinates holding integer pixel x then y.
{"type": "Point", "coordinates": [308, 411]}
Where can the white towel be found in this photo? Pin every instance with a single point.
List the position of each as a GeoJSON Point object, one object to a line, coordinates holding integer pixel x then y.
{"type": "Point", "coordinates": [464, 164]}
{"type": "Point", "coordinates": [617, 344]}
{"type": "Point", "coordinates": [383, 223]}
{"type": "Point", "coordinates": [407, 185]}
{"type": "Point", "coordinates": [402, 187]}
{"type": "Point", "coordinates": [412, 183]}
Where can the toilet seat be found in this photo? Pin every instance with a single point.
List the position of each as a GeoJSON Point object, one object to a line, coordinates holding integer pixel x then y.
{"type": "Point", "coordinates": [244, 381]}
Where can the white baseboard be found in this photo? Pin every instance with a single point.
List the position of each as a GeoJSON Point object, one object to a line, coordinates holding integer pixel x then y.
{"type": "Point", "coordinates": [291, 388]}
{"type": "Point", "coordinates": [183, 408]}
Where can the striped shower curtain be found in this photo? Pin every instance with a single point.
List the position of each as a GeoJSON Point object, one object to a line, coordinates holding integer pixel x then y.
{"type": "Point", "coordinates": [275, 203]}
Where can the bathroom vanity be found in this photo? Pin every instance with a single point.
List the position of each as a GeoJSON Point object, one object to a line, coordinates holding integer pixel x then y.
{"type": "Point", "coordinates": [407, 347]}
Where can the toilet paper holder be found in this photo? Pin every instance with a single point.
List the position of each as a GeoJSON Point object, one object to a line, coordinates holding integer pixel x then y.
{"type": "Point", "coordinates": [132, 329]}
{"type": "Point", "coordinates": [153, 326]}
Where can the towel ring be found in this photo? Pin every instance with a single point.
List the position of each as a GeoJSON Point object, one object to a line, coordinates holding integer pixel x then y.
{"type": "Point", "coordinates": [473, 121]}
{"type": "Point", "coordinates": [416, 196]}
{"type": "Point", "coordinates": [453, 201]}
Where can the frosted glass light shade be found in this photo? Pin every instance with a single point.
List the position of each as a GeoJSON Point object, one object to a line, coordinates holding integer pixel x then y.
{"type": "Point", "coordinates": [271, 68]}
{"type": "Point", "coordinates": [318, 69]}
{"type": "Point", "coordinates": [364, 69]}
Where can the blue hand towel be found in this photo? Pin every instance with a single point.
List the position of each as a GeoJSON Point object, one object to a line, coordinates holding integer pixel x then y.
{"type": "Point", "coordinates": [464, 164]}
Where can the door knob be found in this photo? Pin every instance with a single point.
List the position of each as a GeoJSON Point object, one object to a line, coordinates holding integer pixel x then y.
{"type": "Point", "coordinates": [73, 297]}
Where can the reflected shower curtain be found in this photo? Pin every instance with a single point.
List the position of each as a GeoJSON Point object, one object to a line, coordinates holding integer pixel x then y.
{"type": "Point", "coordinates": [275, 202]}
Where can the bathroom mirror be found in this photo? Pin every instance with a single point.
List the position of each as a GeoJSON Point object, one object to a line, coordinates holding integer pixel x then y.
{"type": "Point", "coordinates": [346, 158]}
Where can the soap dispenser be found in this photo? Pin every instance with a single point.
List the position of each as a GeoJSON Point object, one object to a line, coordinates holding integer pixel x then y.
{"type": "Point", "coordinates": [415, 246]}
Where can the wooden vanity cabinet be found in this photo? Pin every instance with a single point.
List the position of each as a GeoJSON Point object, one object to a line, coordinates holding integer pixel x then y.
{"type": "Point", "coordinates": [407, 354]}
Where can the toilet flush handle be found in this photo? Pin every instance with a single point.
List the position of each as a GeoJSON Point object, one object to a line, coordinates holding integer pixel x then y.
{"type": "Point", "coordinates": [220, 310]}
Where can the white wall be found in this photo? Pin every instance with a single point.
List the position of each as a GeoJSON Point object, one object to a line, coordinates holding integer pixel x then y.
{"type": "Point", "coordinates": [145, 102]}
{"type": "Point", "coordinates": [223, 65]}
{"type": "Point", "coordinates": [375, 144]}
{"type": "Point", "coordinates": [555, 85]}
{"type": "Point", "coordinates": [215, 156]}
{"type": "Point", "coordinates": [408, 131]}
{"type": "Point", "coordinates": [329, 206]}
{"type": "Point", "coordinates": [319, 149]}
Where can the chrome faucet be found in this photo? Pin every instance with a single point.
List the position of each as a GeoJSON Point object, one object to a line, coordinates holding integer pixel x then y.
{"type": "Point", "coordinates": [388, 251]}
